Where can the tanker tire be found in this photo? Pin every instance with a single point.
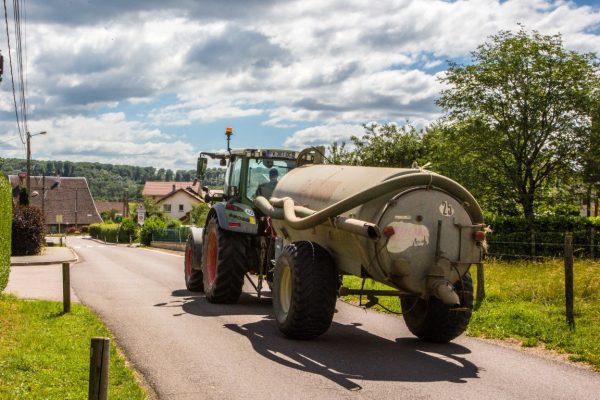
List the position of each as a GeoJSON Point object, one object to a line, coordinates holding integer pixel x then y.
{"type": "Point", "coordinates": [223, 264]}
{"type": "Point", "coordinates": [304, 290]}
{"type": "Point", "coordinates": [193, 257]}
{"type": "Point", "coordinates": [434, 321]}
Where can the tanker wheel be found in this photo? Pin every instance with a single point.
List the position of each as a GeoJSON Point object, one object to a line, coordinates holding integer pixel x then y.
{"type": "Point", "coordinates": [193, 257]}
{"type": "Point", "coordinates": [304, 290]}
{"type": "Point", "coordinates": [223, 264]}
{"type": "Point", "coordinates": [433, 321]}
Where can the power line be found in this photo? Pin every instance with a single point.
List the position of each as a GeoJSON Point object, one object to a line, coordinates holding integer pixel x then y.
{"type": "Point", "coordinates": [11, 73]}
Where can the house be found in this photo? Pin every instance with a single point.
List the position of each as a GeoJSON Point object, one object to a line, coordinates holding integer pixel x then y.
{"type": "Point", "coordinates": [175, 199]}
{"type": "Point", "coordinates": [158, 190]}
{"type": "Point", "coordinates": [65, 202]}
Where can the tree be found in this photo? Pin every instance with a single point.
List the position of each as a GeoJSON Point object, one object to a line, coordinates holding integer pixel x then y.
{"type": "Point", "coordinates": [522, 109]}
{"type": "Point", "coordinates": [386, 145]}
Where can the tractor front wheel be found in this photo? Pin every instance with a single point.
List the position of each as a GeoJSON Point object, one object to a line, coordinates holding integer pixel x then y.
{"type": "Point", "coordinates": [192, 262]}
{"type": "Point", "coordinates": [223, 263]}
{"type": "Point", "coordinates": [304, 290]}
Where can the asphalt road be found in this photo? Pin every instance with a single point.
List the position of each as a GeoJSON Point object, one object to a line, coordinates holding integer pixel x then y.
{"type": "Point", "coordinates": [187, 348]}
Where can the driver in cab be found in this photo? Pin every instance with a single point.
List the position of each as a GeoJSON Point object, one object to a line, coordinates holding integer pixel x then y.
{"type": "Point", "coordinates": [266, 189]}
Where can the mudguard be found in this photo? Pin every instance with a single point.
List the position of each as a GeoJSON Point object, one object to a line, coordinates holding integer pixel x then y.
{"type": "Point", "coordinates": [236, 217]}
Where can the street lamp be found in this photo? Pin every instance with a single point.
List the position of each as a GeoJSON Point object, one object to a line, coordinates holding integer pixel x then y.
{"type": "Point", "coordinates": [29, 135]}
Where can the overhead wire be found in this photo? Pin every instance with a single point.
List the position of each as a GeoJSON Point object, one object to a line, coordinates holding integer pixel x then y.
{"type": "Point", "coordinates": [12, 74]}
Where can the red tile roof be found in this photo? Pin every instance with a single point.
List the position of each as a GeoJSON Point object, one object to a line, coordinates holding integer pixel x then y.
{"type": "Point", "coordinates": [161, 189]}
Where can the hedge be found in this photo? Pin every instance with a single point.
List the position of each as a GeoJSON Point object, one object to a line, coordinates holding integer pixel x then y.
{"type": "Point", "coordinates": [115, 233]}
{"type": "Point", "coordinates": [510, 235]}
{"type": "Point", "coordinates": [5, 230]}
{"type": "Point", "coordinates": [27, 231]}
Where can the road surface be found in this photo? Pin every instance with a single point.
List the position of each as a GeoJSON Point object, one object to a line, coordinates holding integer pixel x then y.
{"type": "Point", "coordinates": [187, 348]}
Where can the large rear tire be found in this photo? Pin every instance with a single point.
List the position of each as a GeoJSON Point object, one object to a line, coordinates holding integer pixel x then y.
{"type": "Point", "coordinates": [223, 263]}
{"type": "Point", "coordinates": [433, 321]}
{"type": "Point", "coordinates": [193, 262]}
{"type": "Point", "coordinates": [304, 290]}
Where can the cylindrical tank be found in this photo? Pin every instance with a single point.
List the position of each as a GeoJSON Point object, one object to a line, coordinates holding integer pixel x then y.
{"type": "Point", "coordinates": [428, 224]}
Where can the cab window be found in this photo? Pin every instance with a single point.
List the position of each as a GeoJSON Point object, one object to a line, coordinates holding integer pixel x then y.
{"type": "Point", "coordinates": [263, 175]}
{"type": "Point", "coordinates": [233, 178]}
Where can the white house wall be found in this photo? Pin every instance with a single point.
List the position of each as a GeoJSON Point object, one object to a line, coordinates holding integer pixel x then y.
{"type": "Point", "coordinates": [175, 201]}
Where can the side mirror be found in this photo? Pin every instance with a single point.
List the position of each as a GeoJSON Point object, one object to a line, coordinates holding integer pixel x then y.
{"type": "Point", "coordinates": [223, 162]}
{"type": "Point", "coordinates": [201, 167]}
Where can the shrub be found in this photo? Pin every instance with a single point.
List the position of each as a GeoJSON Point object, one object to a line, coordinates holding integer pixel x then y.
{"type": "Point", "coordinates": [27, 231]}
{"type": "Point", "coordinates": [152, 224]}
{"type": "Point", "coordinates": [5, 230]}
{"type": "Point", "coordinates": [128, 231]}
{"type": "Point", "coordinates": [114, 233]}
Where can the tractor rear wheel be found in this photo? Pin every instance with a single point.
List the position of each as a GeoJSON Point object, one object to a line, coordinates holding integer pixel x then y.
{"type": "Point", "coordinates": [304, 290]}
{"type": "Point", "coordinates": [223, 263]}
{"type": "Point", "coordinates": [433, 321]}
{"type": "Point", "coordinates": [193, 259]}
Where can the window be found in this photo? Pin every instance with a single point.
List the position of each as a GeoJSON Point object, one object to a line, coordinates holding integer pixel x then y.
{"type": "Point", "coordinates": [181, 208]}
{"type": "Point", "coordinates": [260, 173]}
{"type": "Point", "coordinates": [234, 176]}
{"type": "Point", "coordinates": [166, 207]}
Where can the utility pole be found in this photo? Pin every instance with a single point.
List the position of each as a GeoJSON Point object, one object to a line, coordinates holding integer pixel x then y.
{"type": "Point", "coordinates": [75, 208]}
{"type": "Point", "coordinates": [29, 135]}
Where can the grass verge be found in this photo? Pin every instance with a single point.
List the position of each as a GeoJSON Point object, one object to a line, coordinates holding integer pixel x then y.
{"type": "Point", "coordinates": [45, 354]}
{"type": "Point", "coordinates": [525, 301]}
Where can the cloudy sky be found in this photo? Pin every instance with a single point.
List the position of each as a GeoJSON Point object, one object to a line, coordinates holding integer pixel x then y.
{"type": "Point", "coordinates": [151, 84]}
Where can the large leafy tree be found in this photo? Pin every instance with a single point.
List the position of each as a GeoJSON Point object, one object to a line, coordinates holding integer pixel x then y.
{"type": "Point", "coordinates": [523, 110]}
{"type": "Point", "coordinates": [387, 145]}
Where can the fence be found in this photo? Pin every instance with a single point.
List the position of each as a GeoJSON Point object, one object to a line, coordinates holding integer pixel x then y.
{"type": "Point", "coordinates": [586, 244]}
{"type": "Point", "coordinates": [173, 235]}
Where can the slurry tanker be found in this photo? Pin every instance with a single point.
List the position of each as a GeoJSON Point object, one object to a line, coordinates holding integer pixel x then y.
{"type": "Point", "coordinates": [300, 225]}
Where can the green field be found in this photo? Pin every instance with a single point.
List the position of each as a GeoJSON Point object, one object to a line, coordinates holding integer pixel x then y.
{"type": "Point", "coordinates": [525, 300]}
{"type": "Point", "coordinates": [45, 354]}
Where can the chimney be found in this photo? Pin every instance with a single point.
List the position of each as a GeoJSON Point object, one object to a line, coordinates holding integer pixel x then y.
{"type": "Point", "coordinates": [173, 187]}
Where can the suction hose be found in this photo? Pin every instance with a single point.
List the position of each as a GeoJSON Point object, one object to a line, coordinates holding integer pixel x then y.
{"type": "Point", "coordinates": [309, 218]}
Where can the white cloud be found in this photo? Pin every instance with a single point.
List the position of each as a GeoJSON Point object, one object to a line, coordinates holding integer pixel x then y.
{"type": "Point", "coordinates": [323, 135]}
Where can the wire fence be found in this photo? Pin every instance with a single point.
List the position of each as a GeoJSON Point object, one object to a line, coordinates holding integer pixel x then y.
{"type": "Point", "coordinates": [173, 235]}
{"type": "Point", "coordinates": [548, 245]}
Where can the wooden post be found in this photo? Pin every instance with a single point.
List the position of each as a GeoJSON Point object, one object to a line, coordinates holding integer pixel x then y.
{"type": "Point", "coordinates": [592, 242]}
{"type": "Point", "coordinates": [532, 245]}
{"type": "Point", "coordinates": [99, 363]}
{"type": "Point", "coordinates": [66, 287]}
{"type": "Point", "coordinates": [480, 284]}
{"type": "Point", "coordinates": [569, 279]}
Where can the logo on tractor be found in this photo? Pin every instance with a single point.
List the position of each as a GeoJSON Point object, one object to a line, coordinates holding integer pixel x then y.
{"type": "Point", "coordinates": [446, 209]}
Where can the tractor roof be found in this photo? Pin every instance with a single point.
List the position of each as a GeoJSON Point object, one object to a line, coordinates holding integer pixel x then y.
{"type": "Point", "coordinates": [262, 153]}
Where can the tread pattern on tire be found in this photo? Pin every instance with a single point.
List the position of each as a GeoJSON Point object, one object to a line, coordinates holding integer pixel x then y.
{"type": "Point", "coordinates": [193, 282]}
{"type": "Point", "coordinates": [434, 321]}
{"type": "Point", "coordinates": [231, 266]}
{"type": "Point", "coordinates": [314, 290]}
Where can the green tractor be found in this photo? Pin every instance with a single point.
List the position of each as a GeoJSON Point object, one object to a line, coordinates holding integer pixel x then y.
{"type": "Point", "coordinates": [237, 239]}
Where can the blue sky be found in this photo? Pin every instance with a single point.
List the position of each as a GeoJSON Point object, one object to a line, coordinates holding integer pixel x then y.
{"type": "Point", "coordinates": [152, 84]}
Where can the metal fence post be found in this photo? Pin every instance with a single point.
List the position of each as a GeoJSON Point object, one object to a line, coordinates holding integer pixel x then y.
{"type": "Point", "coordinates": [569, 280]}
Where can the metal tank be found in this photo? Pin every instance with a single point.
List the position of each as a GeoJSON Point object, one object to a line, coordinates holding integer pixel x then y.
{"type": "Point", "coordinates": [412, 229]}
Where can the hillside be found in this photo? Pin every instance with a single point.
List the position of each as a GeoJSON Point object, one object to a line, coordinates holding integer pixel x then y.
{"type": "Point", "coordinates": [108, 181]}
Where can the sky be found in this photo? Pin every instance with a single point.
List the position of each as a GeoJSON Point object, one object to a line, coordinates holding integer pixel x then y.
{"type": "Point", "coordinates": [153, 83]}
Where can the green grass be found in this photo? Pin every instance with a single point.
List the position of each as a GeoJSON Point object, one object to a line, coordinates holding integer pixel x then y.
{"type": "Point", "coordinates": [525, 300]}
{"type": "Point", "coordinates": [45, 354]}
